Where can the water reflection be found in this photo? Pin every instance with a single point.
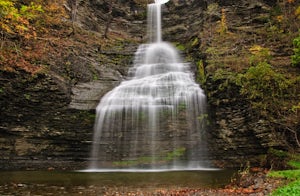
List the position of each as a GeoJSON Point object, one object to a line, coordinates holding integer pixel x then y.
{"type": "Point", "coordinates": [192, 179]}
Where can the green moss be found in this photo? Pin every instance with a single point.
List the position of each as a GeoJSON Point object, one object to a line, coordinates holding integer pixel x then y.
{"type": "Point", "coordinates": [180, 47]}
{"type": "Point", "coordinates": [87, 117]}
{"type": "Point", "coordinates": [278, 153]}
{"type": "Point", "coordinates": [201, 72]}
{"type": "Point", "coordinates": [27, 96]}
{"type": "Point", "coordinates": [296, 108]}
{"type": "Point", "coordinates": [225, 78]}
{"type": "Point", "coordinates": [142, 116]}
{"type": "Point", "coordinates": [182, 106]}
{"type": "Point", "coordinates": [296, 56]}
{"type": "Point", "coordinates": [125, 163]}
{"type": "Point", "coordinates": [165, 113]}
{"type": "Point", "coordinates": [146, 160]}
{"type": "Point", "coordinates": [177, 153]}
{"type": "Point", "coordinates": [195, 42]}
{"type": "Point", "coordinates": [202, 117]}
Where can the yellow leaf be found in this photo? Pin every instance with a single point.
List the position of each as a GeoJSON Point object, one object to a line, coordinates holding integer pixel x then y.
{"type": "Point", "coordinates": [280, 18]}
{"type": "Point", "coordinates": [297, 12]}
{"type": "Point", "coordinates": [256, 48]}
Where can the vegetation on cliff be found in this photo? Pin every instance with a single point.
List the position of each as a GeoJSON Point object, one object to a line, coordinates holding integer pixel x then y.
{"type": "Point", "coordinates": [296, 55]}
{"type": "Point", "coordinates": [260, 57]}
{"type": "Point", "coordinates": [38, 36]}
{"type": "Point", "coordinates": [26, 28]}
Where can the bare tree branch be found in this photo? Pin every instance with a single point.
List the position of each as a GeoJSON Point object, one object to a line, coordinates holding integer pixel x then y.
{"type": "Point", "coordinates": [109, 20]}
{"type": "Point", "coordinates": [292, 131]}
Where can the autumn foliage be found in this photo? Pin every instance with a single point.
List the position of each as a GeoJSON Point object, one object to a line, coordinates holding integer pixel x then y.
{"type": "Point", "coordinates": [18, 19]}
{"type": "Point", "coordinates": [24, 27]}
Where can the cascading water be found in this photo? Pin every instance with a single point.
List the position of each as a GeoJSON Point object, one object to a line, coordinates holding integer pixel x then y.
{"type": "Point", "coordinates": [155, 119]}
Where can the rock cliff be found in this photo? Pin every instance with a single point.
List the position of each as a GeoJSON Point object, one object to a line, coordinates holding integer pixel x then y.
{"type": "Point", "coordinates": [47, 118]}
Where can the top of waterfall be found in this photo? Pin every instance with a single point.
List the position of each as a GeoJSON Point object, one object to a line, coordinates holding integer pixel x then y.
{"type": "Point", "coordinates": [161, 1]}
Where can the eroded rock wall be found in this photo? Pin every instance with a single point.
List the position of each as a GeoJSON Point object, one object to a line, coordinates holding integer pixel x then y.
{"type": "Point", "coordinates": [47, 119]}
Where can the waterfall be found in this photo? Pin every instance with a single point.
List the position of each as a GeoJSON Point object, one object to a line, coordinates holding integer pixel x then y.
{"type": "Point", "coordinates": [155, 118]}
{"type": "Point", "coordinates": [154, 22]}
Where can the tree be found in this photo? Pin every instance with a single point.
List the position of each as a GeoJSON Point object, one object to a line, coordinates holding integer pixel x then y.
{"type": "Point", "coordinates": [16, 19]}
{"type": "Point", "coordinates": [109, 20]}
{"type": "Point", "coordinates": [24, 25]}
{"type": "Point", "coordinates": [73, 10]}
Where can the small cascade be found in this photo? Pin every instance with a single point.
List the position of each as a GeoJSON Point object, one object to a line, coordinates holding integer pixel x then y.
{"type": "Point", "coordinates": [155, 119]}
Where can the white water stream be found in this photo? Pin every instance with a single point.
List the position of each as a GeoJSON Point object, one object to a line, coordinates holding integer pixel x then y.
{"type": "Point", "coordinates": [153, 120]}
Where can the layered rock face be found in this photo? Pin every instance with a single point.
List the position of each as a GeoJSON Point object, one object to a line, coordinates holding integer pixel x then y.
{"type": "Point", "coordinates": [47, 119]}
{"type": "Point", "coordinates": [38, 130]}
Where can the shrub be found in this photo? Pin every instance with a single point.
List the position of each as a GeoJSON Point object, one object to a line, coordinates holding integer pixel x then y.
{"type": "Point", "coordinates": [262, 85]}
{"type": "Point", "coordinates": [259, 54]}
{"type": "Point", "coordinates": [296, 56]}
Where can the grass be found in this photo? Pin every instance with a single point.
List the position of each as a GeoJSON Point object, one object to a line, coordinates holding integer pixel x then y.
{"type": "Point", "coordinates": [292, 188]}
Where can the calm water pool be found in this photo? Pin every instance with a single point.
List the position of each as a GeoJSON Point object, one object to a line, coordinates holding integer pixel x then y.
{"type": "Point", "coordinates": [98, 183]}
